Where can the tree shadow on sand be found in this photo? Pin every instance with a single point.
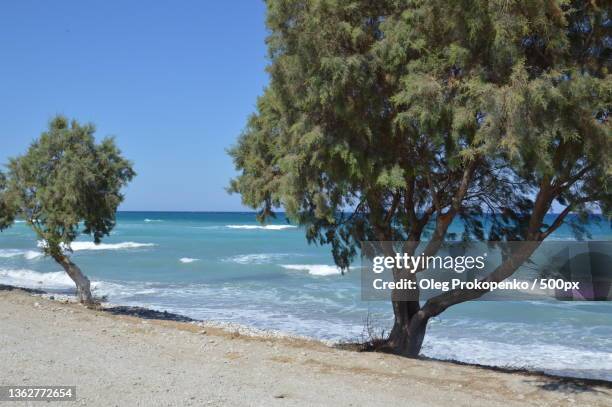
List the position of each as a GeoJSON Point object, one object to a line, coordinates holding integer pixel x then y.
{"type": "Point", "coordinates": [547, 381]}
{"type": "Point", "coordinates": [568, 385]}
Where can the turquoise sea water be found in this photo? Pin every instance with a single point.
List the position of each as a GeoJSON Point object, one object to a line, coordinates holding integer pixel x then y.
{"type": "Point", "coordinates": [226, 267]}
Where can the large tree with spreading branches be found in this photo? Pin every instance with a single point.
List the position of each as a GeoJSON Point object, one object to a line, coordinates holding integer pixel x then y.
{"type": "Point", "coordinates": [388, 120]}
{"type": "Point", "coordinates": [66, 184]}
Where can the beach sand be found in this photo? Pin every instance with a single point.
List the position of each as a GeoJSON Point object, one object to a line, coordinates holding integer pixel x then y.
{"type": "Point", "coordinates": [124, 360]}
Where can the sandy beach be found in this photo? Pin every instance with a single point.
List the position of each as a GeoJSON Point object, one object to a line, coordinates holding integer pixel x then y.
{"type": "Point", "coordinates": [119, 360]}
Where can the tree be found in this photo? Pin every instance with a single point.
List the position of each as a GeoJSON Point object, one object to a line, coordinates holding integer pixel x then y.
{"type": "Point", "coordinates": [388, 120]}
{"type": "Point", "coordinates": [7, 214]}
{"type": "Point", "coordinates": [66, 181]}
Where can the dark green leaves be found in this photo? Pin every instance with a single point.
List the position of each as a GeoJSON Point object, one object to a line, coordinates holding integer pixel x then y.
{"type": "Point", "coordinates": [66, 180]}
{"type": "Point", "coordinates": [378, 110]}
{"type": "Point", "coordinates": [7, 212]}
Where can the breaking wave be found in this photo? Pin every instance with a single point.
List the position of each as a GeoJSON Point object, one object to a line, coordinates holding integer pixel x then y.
{"type": "Point", "coordinates": [187, 260]}
{"type": "Point", "coordinates": [265, 227]}
{"type": "Point", "coordinates": [79, 246]}
{"type": "Point", "coordinates": [257, 258]}
{"type": "Point", "coordinates": [314, 269]}
{"type": "Point", "coordinates": [27, 254]}
{"type": "Point", "coordinates": [33, 279]}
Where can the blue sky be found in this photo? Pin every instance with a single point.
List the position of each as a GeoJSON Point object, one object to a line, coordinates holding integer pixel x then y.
{"type": "Point", "coordinates": [174, 82]}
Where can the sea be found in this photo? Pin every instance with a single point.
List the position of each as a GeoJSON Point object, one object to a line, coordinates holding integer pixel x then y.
{"type": "Point", "coordinates": [227, 268]}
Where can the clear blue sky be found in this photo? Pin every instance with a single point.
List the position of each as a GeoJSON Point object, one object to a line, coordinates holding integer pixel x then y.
{"type": "Point", "coordinates": [173, 81]}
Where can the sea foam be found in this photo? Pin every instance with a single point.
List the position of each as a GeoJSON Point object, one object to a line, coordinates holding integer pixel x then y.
{"type": "Point", "coordinates": [53, 281]}
{"type": "Point", "coordinates": [27, 254]}
{"type": "Point", "coordinates": [188, 260]}
{"type": "Point", "coordinates": [76, 246]}
{"type": "Point", "coordinates": [33, 279]}
{"type": "Point", "coordinates": [314, 269]}
{"type": "Point", "coordinates": [79, 246]}
{"type": "Point", "coordinates": [550, 357]}
{"type": "Point", "coordinates": [265, 227]}
{"type": "Point", "coordinates": [257, 258]}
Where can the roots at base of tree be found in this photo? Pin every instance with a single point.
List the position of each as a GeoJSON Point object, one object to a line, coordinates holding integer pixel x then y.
{"type": "Point", "coordinates": [406, 336]}
{"type": "Point", "coordinates": [402, 341]}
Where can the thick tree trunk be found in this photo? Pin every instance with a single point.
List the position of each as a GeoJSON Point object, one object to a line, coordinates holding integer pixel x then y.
{"type": "Point", "coordinates": [82, 283]}
{"type": "Point", "coordinates": [408, 332]}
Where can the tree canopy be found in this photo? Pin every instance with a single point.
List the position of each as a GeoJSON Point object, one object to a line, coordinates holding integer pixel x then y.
{"type": "Point", "coordinates": [370, 99]}
{"type": "Point", "coordinates": [7, 214]}
{"type": "Point", "coordinates": [66, 179]}
{"type": "Point", "coordinates": [386, 120]}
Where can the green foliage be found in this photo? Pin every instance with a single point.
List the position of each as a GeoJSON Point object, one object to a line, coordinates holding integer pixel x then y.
{"type": "Point", "coordinates": [377, 110]}
{"type": "Point", "coordinates": [65, 181]}
{"type": "Point", "coordinates": [7, 214]}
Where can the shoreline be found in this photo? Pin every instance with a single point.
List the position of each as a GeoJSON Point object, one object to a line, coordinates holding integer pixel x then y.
{"type": "Point", "coordinates": [151, 357]}
{"type": "Point", "coordinates": [153, 314]}
{"type": "Point", "coordinates": [267, 334]}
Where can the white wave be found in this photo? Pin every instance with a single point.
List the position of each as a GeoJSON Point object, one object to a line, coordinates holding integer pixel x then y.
{"type": "Point", "coordinates": [266, 227]}
{"type": "Point", "coordinates": [550, 357]}
{"type": "Point", "coordinates": [314, 269]}
{"type": "Point", "coordinates": [20, 221]}
{"type": "Point", "coordinates": [27, 254]}
{"type": "Point", "coordinates": [257, 258]}
{"type": "Point", "coordinates": [32, 254]}
{"type": "Point", "coordinates": [33, 279]}
{"type": "Point", "coordinates": [60, 281]}
{"type": "Point", "coordinates": [152, 220]}
{"type": "Point", "coordinates": [121, 291]}
{"type": "Point", "coordinates": [6, 253]}
{"type": "Point", "coordinates": [56, 280]}
{"type": "Point", "coordinates": [78, 246]}
{"type": "Point", "coordinates": [188, 260]}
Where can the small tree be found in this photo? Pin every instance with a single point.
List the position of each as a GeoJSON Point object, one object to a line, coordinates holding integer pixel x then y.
{"type": "Point", "coordinates": [415, 113]}
{"type": "Point", "coordinates": [64, 182]}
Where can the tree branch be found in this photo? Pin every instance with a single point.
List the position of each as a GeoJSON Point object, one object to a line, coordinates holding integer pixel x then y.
{"type": "Point", "coordinates": [573, 179]}
{"type": "Point", "coordinates": [558, 222]}
{"type": "Point", "coordinates": [436, 305]}
{"type": "Point", "coordinates": [393, 208]}
{"type": "Point", "coordinates": [443, 221]}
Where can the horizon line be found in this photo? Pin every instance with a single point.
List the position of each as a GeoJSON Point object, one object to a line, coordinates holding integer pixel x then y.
{"type": "Point", "coordinates": [255, 212]}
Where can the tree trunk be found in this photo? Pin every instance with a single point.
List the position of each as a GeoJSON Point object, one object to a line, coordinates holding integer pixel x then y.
{"type": "Point", "coordinates": [408, 330]}
{"type": "Point", "coordinates": [83, 286]}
